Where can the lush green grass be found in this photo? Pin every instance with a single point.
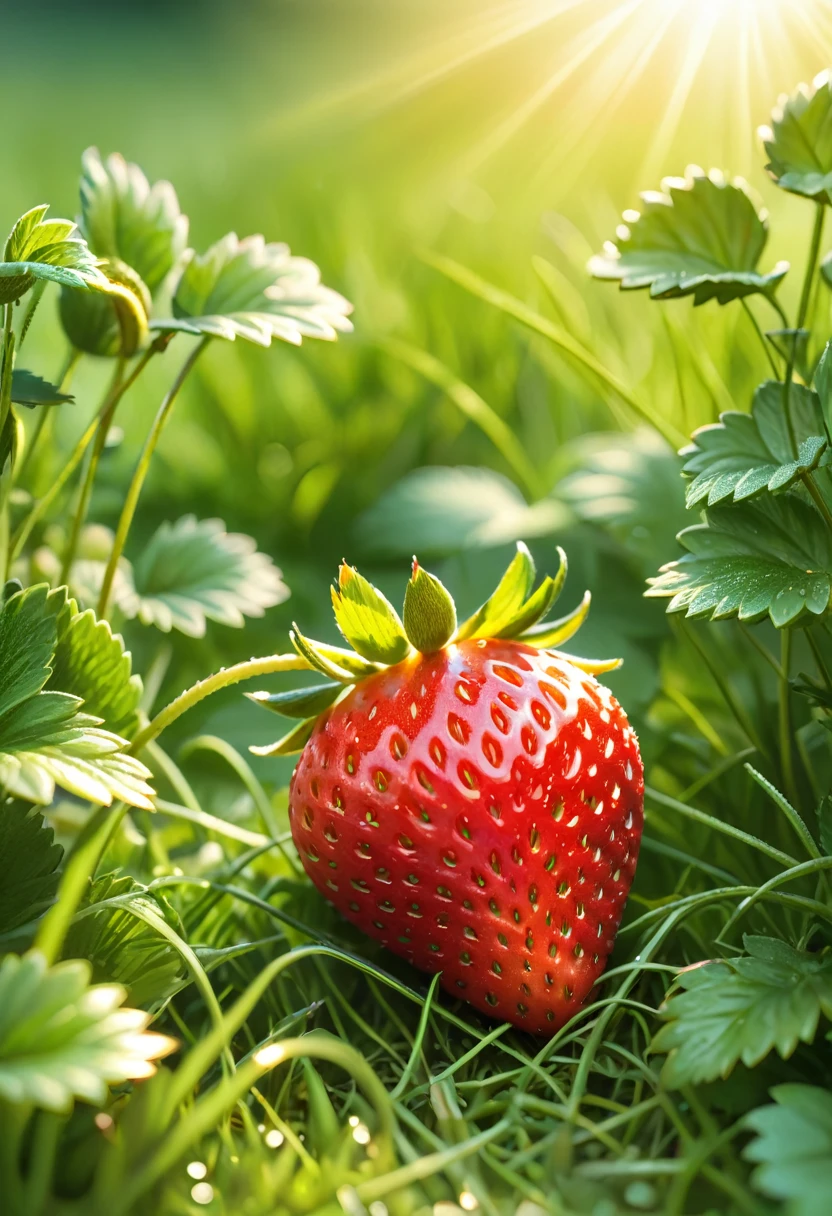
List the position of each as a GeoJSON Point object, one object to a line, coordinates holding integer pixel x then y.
{"type": "Point", "coordinates": [296, 448]}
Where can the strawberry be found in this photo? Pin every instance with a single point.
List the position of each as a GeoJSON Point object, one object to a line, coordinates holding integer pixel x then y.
{"type": "Point", "coordinates": [471, 797]}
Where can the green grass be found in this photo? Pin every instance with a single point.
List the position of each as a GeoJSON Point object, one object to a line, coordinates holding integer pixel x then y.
{"type": "Point", "coordinates": [391, 1096]}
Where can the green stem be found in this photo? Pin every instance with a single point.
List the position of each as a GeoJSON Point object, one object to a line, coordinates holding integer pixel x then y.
{"type": "Point", "coordinates": [805, 296]}
{"type": "Point", "coordinates": [7, 420]}
{"type": "Point", "coordinates": [817, 498]}
{"type": "Point", "coordinates": [784, 715]}
{"type": "Point", "coordinates": [763, 342]}
{"type": "Point", "coordinates": [78, 870]}
{"type": "Point", "coordinates": [211, 684]}
{"type": "Point", "coordinates": [135, 488]}
{"type": "Point", "coordinates": [45, 412]}
{"type": "Point", "coordinates": [35, 296]}
{"type": "Point", "coordinates": [48, 1127]}
{"type": "Point", "coordinates": [43, 504]}
{"type": "Point", "coordinates": [104, 423]}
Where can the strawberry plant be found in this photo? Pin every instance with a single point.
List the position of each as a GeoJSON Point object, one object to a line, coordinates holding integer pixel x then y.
{"type": "Point", "coordinates": [425, 977]}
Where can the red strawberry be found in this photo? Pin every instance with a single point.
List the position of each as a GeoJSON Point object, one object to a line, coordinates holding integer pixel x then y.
{"type": "Point", "coordinates": [477, 807]}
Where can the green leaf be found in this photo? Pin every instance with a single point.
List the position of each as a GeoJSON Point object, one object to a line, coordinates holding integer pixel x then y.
{"type": "Point", "coordinates": [291, 743]}
{"type": "Point", "coordinates": [799, 140]}
{"type": "Point", "coordinates": [702, 235]}
{"type": "Point", "coordinates": [439, 511]}
{"type": "Point", "coordinates": [193, 571]}
{"type": "Point", "coordinates": [299, 702]}
{"type": "Point", "coordinates": [742, 1009]}
{"type": "Point", "coordinates": [772, 556]}
{"type": "Point", "coordinates": [628, 485]}
{"type": "Point", "coordinates": [744, 454]}
{"type": "Point", "coordinates": [61, 1039]}
{"type": "Point", "coordinates": [31, 390]}
{"type": "Point", "coordinates": [793, 1149]}
{"type": "Point", "coordinates": [123, 216]}
{"type": "Point", "coordinates": [429, 611]}
{"type": "Point", "coordinates": [825, 824]}
{"type": "Point", "coordinates": [823, 385]}
{"type": "Point", "coordinates": [27, 640]}
{"type": "Point", "coordinates": [257, 291]}
{"type": "Point", "coordinates": [503, 606]}
{"type": "Point", "coordinates": [45, 739]}
{"type": "Point", "coordinates": [539, 604]}
{"type": "Point", "coordinates": [792, 344]}
{"type": "Point", "coordinates": [30, 861]}
{"type": "Point", "coordinates": [90, 661]}
{"type": "Point", "coordinates": [120, 947]}
{"type": "Point", "coordinates": [555, 633]}
{"type": "Point", "coordinates": [368, 621]}
{"type": "Point", "coordinates": [38, 248]}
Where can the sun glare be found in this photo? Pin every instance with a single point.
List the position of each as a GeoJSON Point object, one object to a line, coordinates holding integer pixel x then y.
{"type": "Point", "coordinates": [534, 90]}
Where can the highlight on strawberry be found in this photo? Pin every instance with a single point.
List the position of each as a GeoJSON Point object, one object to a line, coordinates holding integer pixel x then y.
{"type": "Point", "coordinates": [468, 794]}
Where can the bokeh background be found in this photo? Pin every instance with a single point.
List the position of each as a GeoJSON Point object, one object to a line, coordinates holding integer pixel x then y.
{"type": "Point", "coordinates": [507, 134]}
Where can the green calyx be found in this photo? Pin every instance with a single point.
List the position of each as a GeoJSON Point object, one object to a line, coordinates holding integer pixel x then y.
{"type": "Point", "coordinates": [377, 637]}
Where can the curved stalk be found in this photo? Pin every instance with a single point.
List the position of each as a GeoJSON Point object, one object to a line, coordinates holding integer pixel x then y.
{"type": "Point", "coordinates": [45, 413]}
{"type": "Point", "coordinates": [85, 492]}
{"type": "Point", "coordinates": [135, 488]}
{"type": "Point", "coordinates": [805, 296]}
{"type": "Point", "coordinates": [221, 679]}
{"type": "Point", "coordinates": [765, 345]}
{"type": "Point", "coordinates": [43, 504]}
{"type": "Point", "coordinates": [105, 422]}
{"type": "Point", "coordinates": [784, 716]}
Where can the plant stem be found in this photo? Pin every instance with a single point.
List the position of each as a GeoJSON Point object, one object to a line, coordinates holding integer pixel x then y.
{"type": "Point", "coordinates": [135, 488]}
{"type": "Point", "coordinates": [784, 715]}
{"type": "Point", "coordinates": [105, 422]}
{"type": "Point", "coordinates": [6, 421]}
{"type": "Point", "coordinates": [45, 412]}
{"type": "Point", "coordinates": [43, 504]}
{"type": "Point", "coordinates": [805, 296]}
{"type": "Point", "coordinates": [221, 679]}
{"type": "Point", "coordinates": [105, 417]}
{"type": "Point", "coordinates": [763, 342]}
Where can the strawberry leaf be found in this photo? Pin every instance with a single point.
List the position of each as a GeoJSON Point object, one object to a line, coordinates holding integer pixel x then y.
{"type": "Point", "coordinates": [505, 604]}
{"type": "Point", "coordinates": [770, 557]}
{"type": "Point", "coordinates": [438, 511]}
{"type": "Point", "coordinates": [124, 217]}
{"type": "Point", "coordinates": [291, 743]}
{"type": "Point", "coordinates": [741, 1009]}
{"type": "Point", "coordinates": [793, 1149]}
{"type": "Point", "coordinates": [702, 235]}
{"type": "Point", "coordinates": [744, 454]}
{"type": "Point", "coordinates": [61, 1039]}
{"type": "Point", "coordinates": [90, 661]}
{"type": "Point", "coordinates": [193, 571]}
{"type": "Point", "coordinates": [257, 291]}
{"type": "Point", "coordinates": [368, 621]}
{"type": "Point", "coordinates": [38, 248]}
{"type": "Point", "coordinates": [31, 390]}
{"type": "Point", "coordinates": [299, 702]}
{"type": "Point", "coordinates": [555, 633]}
{"type": "Point", "coordinates": [30, 865]}
{"type": "Point", "coordinates": [45, 739]}
{"type": "Point", "coordinates": [122, 948]}
{"type": "Point", "coordinates": [429, 611]}
{"type": "Point", "coordinates": [799, 140]}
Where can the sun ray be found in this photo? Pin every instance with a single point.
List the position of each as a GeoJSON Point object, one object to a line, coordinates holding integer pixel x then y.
{"type": "Point", "coordinates": [593, 39]}
{"type": "Point", "coordinates": [654, 164]}
{"type": "Point", "coordinates": [587, 133]}
{"type": "Point", "coordinates": [408, 77]}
